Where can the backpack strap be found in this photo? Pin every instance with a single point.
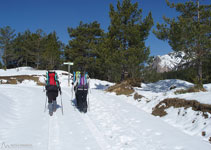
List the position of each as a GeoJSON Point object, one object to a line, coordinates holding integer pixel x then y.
{"type": "Point", "coordinates": [56, 79]}
{"type": "Point", "coordinates": [79, 79]}
{"type": "Point", "coordinates": [74, 76]}
{"type": "Point", "coordinates": [85, 77]}
{"type": "Point", "coordinates": [47, 78]}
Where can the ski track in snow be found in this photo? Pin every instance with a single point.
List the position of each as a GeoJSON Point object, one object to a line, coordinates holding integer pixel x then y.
{"type": "Point", "coordinates": [96, 133]}
{"type": "Point", "coordinates": [128, 130]}
{"type": "Point", "coordinates": [53, 133]}
{"type": "Point", "coordinates": [110, 124]}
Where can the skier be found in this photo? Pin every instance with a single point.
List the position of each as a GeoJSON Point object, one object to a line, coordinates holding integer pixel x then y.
{"type": "Point", "coordinates": [52, 88]}
{"type": "Point", "coordinates": [76, 80]}
{"type": "Point", "coordinates": [81, 87]}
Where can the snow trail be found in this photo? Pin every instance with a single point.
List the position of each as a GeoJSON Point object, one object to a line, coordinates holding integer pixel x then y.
{"type": "Point", "coordinates": [95, 132]}
{"type": "Point", "coordinates": [53, 135]}
{"type": "Point", "coordinates": [111, 124]}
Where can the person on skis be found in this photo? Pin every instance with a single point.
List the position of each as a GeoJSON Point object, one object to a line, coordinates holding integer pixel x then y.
{"type": "Point", "coordinates": [76, 78]}
{"type": "Point", "coordinates": [52, 88]}
{"type": "Point", "coordinates": [81, 87]}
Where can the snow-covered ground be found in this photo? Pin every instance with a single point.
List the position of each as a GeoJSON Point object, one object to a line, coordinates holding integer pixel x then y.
{"type": "Point", "coordinates": [187, 120]}
{"type": "Point", "coordinates": [111, 123]}
{"type": "Point", "coordinates": [21, 71]}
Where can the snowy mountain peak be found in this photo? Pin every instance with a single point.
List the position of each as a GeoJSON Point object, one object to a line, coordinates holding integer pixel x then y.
{"type": "Point", "coordinates": [168, 62]}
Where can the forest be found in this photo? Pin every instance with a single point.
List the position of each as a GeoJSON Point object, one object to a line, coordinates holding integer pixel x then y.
{"type": "Point", "coordinates": [120, 53]}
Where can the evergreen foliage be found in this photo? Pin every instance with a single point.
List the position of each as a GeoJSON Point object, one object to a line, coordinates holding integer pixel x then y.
{"type": "Point", "coordinates": [7, 34]}
{"type": "Point", "coordinates": [113, 55]}
{"type": "Point", "coordinates": [52, 51]}
{"type": "Point", "coordinates": [84, 46]}
{"type": "Point", "coordinates": [189, 32]}
{"type": "Point", "coordinates": [30, 49]}
{"type": "Point", "coordinates": [120, 53]}
{"type": "Point", "coordinates": [126, 40]}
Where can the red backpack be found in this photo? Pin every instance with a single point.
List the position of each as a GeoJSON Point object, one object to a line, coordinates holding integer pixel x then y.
{"type": "Point", "coordinates": [52, 78]}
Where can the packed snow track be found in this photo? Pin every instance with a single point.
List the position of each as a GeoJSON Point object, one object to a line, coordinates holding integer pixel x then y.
{"type": "Point", "coordinates": [111, 123]}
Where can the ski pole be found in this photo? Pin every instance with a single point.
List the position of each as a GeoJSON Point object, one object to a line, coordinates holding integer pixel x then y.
{"type": "Point", "coordinates": [88, 100]}
{"type": "Point", "coordinates": [45, 104]}
{"type": "Point", "coordinates": [72, 100]}
{"type": "Point", "coordinates": [88, 104]}
{"type": "Point", "coordinates": [72, 93]}
{"type": "Point", "coordinates": [61, 104]}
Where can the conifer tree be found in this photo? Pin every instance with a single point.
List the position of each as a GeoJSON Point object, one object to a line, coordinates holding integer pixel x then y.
{"type": "Point", "coordinates": [38, 46]}
{"type": "Point", "coordinates": [27, 48]}
{"type": "Point", "coordinates": [127, 34]}
{"type": "Point", "coordinates": [7, 34]}
{"type": "Point", "coordinates": [189, 32]}
{"type": "Point", "coordinates": [23, 48]}
{"type": "Point", "coordinates": [51, 54]}
{"type": "Point", "coordinates": [83, 46]}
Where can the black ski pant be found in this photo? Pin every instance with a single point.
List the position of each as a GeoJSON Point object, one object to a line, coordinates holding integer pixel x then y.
{"type": "Point", "coordinates": [52, 96]}
{"type": "Point", "coordinates": [52, 92]}
{"type": "Point", "coordinates": [81, 96]}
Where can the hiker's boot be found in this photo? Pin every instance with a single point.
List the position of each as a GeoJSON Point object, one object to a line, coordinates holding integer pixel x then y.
{"type": "Point", "coordinates": [50, 108]}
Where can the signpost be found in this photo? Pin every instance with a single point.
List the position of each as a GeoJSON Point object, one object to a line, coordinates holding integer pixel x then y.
{"type": "Point", "coordinates": [69, 64]}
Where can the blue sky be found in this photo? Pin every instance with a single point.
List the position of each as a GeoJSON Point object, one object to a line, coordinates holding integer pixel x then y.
{"type": "Point", "coordinates": [57, 15]}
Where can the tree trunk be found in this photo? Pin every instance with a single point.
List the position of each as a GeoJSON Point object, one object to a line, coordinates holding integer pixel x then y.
{"type": "Point", "coordinates": [199, 72]}
{"type": "Point", "coordinates": [5, 58]}
{"type": "Point", "coordinates": [26, 62]}
{"type": "Point", "coordinates": [38, 61]}
{"type": "Point", "coordinates": [199, 61]}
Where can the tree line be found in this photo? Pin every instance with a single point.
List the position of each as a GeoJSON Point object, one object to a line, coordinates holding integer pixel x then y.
{"type": "Point", "coordinates": [119, 53]}
{"type": "Point", "coordinates": [37, 50]}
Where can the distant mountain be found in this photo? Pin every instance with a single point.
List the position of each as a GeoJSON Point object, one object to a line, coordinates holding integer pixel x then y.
{"type": "Point", "coordinates": [168, 62]}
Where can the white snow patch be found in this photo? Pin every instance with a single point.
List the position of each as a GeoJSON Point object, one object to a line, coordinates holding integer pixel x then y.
{"type": "Point", "coordinates": [3, 81]}
{"type": "Point", "coordinates": [28, 83]}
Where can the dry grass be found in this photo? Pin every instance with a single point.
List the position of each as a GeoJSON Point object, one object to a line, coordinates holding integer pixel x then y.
{"type": "Point", "coordinates": [134, 82]}
{"type": "Point", "coordinates": [137, 96]}
{"type": "Point", "coordinates": [159, 109]}
{"type": "Point", "coordinates": [190, 90]}
{"type": "Point", "coordinates": [123, 88]}
{"type": "Point", "coordinates": [203, 133]}
{"type": "Point", "coordinates": [20, 79]}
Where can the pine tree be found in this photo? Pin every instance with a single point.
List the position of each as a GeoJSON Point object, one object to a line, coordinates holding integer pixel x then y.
{"type": "Point", "coordinates": [51, 54]}
{"type": "Point", "coordinates": [127, 35]}
{"type": "Point", "coordinates": [26, 49]}
{"type": "Point", "coordinates": [7, 34]}
{"type": "Point", "coordinates": [17, 44]}
{"type": "Point", "coordinates": [38, 46]}
{"type": "Point", "coordinates": [189, 32]}
{"type": "Point", "coordinates": [83, 46]}
{"type": "Point", "coordinates": [23, 49]}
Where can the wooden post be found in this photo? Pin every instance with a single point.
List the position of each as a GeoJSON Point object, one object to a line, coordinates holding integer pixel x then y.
{"type": "Point", "coordinates": [68, 63]}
